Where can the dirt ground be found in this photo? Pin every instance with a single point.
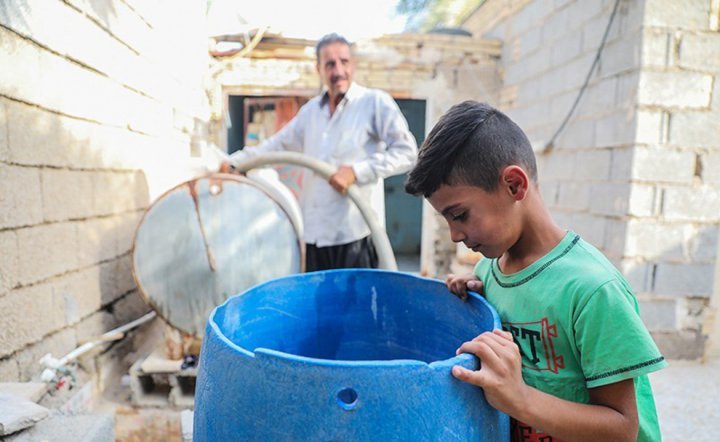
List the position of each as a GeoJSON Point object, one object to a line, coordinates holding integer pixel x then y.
{"type": "Point", "coordinates": [138, 424]}
{"type": "Point", "coordinates": [143, 425]}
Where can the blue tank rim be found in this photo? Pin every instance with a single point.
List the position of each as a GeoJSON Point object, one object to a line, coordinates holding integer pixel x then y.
{"type": "Point", "coordinates": [465, 360]}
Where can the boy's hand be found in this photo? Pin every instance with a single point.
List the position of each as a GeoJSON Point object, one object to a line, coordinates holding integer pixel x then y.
{"type": "Point", "coordinates": [611, 413]}
{"type": "Point", "coordinates": [500, 373]}
{"type": "Point", "coordinates": [460, 284]}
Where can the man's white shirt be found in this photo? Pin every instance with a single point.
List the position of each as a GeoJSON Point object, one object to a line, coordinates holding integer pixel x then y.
{"type": "Point", "coordinates": [368, 132]}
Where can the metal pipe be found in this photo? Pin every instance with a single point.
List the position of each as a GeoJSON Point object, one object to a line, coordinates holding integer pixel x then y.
{"type": "Point", "coordinates": [386, 257]}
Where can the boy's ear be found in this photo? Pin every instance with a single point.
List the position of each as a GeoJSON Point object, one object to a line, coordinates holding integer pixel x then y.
{"type": "Point", "coordinates": [515, 181]}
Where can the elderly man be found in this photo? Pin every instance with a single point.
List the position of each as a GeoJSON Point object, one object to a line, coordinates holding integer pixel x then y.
{"type": "Point", "coordinates": [363, 133]}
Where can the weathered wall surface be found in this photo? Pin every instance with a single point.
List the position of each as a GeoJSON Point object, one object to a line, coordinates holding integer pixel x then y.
{"type": "Point", "coordinates": [673, 243]}
{"type": "Point", "coordinates": [101, 104]}
{"type": "Point", "coordinates": [635, 171]}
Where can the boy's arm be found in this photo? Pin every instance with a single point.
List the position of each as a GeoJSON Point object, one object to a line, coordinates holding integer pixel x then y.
{"type": "Point", "coordinates": [611, 414]}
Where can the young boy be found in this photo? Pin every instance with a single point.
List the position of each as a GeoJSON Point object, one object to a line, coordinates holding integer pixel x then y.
{"type": "Point", "coordinates": [572, 361]}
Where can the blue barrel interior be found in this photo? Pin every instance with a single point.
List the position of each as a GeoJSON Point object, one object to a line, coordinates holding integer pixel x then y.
{"type": "Point", "coordinates": [344, 354]}
{"type": "Point", "coordinates": [352, 318]}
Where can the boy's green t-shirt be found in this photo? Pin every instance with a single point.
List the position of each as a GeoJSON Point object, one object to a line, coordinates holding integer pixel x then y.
{"type": "Point", "coordinates": [577, 324]}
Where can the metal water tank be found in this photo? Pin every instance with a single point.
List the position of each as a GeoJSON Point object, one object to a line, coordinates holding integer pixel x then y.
{"type": "Point", "coordinates": [213, 237]}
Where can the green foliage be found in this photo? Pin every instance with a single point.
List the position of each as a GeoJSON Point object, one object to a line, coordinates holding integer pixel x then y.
{"type": "Point", "coordinates": [425, 15]}
{"type": "Point", "coordinates": [411, 6]}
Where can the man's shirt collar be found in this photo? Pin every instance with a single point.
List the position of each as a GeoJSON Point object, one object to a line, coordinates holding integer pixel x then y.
{"type": "Point", "coordinates": [352, 93]}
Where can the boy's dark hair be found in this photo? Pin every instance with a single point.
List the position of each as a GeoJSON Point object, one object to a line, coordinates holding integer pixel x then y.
{"type": "Point", "coordinates": [329, 39]}
{"type": "Point", "coordinates": [470, 145]}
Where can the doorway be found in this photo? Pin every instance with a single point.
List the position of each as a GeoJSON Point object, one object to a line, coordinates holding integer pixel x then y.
{"type": "Point", "coordinates": [403, 212]}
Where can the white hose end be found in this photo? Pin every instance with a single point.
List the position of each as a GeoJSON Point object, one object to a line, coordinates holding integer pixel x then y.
{"type": "Point", "coordinates": [49, 361]}
{"type": "Point", "coordinates": [48, 375]}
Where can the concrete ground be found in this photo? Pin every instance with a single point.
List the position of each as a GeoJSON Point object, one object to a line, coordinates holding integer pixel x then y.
{"type": "Point", "coordinates": [687, 395]}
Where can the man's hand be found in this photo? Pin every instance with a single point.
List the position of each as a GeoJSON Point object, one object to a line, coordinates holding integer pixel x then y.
{"type": "Point", "coordinates": [500, 373]}
{"type": "Point", "coordinates": [342, 179]}
{"type": "Point", "coordinates": [225, 167]}
{"type": "Point", "coordinates": [460, 284]}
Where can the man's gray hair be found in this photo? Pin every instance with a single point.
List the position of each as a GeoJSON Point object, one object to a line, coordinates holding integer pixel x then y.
{"type": "Point", "coordinates": [329, 39]}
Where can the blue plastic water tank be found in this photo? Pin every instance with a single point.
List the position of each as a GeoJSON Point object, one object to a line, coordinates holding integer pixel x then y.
{"type": "Point", "coordinates": [343, 355]}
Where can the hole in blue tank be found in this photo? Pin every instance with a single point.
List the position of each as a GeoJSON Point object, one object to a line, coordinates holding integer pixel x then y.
{"type": "Point", "coordinates": [347, 398]}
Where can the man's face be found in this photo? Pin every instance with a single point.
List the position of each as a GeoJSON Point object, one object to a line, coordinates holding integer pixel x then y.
{"type": "Point", "coordinates": [485, 221]}
{"type": "Point", "coordinates": [336, 68]}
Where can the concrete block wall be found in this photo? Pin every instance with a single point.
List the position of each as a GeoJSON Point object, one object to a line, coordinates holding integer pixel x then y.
{"type": "Point", "coordinates": [547, 53]}
{"type": "Point", "coordinates": [548, 49]}
{"type": "Point", "coordinates": [101, 106]}
{"type": "Point", "coordinates": [674, 244]}
{"type": "Point", "coordinates": [635, 169]}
